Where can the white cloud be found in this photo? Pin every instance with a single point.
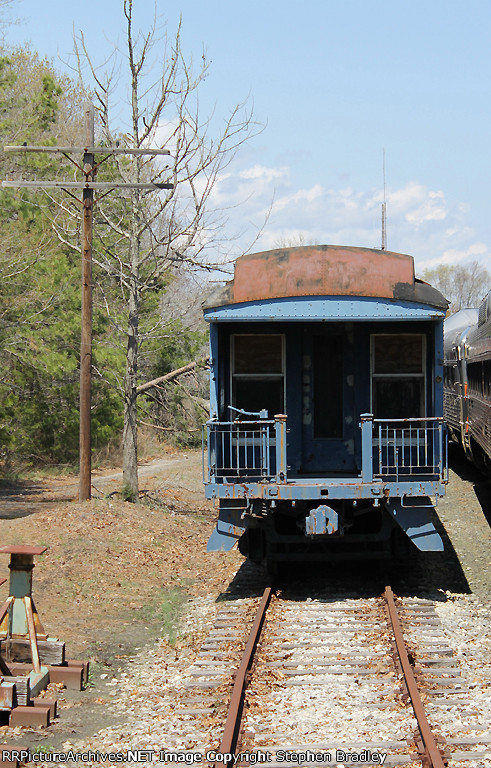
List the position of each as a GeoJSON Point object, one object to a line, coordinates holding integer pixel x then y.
{"type": "Point", "coordinates": [475, 252]}
{"type": "Point", "coordinates": [164, 135]}
{"type": "Point", "coordinates": [420, 220]}
{"type": "Point", "coordinates": [298, 198]}
{"type": "Point", "coordinates": [261, 172]}
{"type": "Point", "coordinates": [418, 204]}
{"type": "Point", "coordinates": [239, 188]}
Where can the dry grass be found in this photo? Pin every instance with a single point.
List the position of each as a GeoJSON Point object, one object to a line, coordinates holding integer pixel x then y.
{"type": "Point", "coordinates": [117, 572]}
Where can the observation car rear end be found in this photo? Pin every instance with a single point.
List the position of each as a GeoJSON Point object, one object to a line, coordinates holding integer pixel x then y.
{"type": "Point", "coordinates": [326, 437]}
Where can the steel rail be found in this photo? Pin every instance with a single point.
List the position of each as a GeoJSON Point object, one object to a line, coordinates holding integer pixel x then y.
{"type": "Point", "coordinates": [431, 753]}
{"type": "Point", "coordinates": [231, 730]}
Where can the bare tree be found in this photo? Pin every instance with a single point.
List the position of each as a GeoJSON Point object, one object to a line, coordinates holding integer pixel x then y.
{"type": "Point", "coordinates": [464, 285]}
{"type": "Point", "coordinates": [294, 241]}
{"type": "Point", "coordinates": [148, 235]}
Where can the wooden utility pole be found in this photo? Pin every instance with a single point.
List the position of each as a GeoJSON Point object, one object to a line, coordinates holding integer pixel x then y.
{"type": "Point", "coordinates": [89, 170]}
{"type": "Point", "coordinates": [86, 333]}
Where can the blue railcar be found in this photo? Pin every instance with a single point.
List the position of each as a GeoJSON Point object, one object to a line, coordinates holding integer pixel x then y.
{"type": "Point", "coordinates": [326, 437]}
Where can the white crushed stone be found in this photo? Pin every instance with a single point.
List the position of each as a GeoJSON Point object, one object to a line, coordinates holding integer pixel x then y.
{"type": "Point", "coordinates": [153, 692]}
{"type": "Point", "coordinates": [342, 713]}
{"type": "Point", "coordinates": [465, 626]}
{"type": "Point", "coordinates": [151, 695]}
{"type": "Point", "coordinates": [466, 623]}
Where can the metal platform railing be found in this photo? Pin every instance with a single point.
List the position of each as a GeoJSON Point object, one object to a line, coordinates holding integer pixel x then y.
{"type": "Point", "coordinates": [392, 449]}
{"type": "Point", "coordinates": [407, 447]}
{"type": "Point", "coordinates": [251, 450]}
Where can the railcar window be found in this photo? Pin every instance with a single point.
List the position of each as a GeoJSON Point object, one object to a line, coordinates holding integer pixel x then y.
{"type": "Point", "coordinates": [258, 372]}
{"type": "Point", "coordinates": [486, 380]}
{"type": "Point", "coordinates": [475, 378]}
{"type": "Point", "coordinates": [398, 376]}
{"type": "Point", "coordinates": [398, 354]}
{"type": "Point", "coordinates": [258, 354]}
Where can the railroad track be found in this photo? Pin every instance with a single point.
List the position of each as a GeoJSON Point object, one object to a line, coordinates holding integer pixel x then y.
{"type": "Point", "coordinates": [331, 681]}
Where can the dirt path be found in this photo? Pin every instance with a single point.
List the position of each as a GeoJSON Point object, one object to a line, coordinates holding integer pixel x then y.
{"type": "Point", "coordinates": [166, 475]}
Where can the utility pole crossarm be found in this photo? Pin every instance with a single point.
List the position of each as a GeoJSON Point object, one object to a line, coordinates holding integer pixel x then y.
{"type": "Point", "coordinates": [83, 185]}
{"type": "Point", "coordinates": [89, 150]}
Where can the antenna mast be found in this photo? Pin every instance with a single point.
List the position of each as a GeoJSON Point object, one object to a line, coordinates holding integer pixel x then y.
{"type": "Point", "coordinates": [384, 213]}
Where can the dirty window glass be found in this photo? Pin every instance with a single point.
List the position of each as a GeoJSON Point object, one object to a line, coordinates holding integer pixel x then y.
{"type": "Point", "coordinates": [258, 379]}
{"type": "Point", "coordinates": [398, 376]}
{"type": "Point", "coordinates": [398, 398]}
{"type": "Point", "coordinates": [258, 354]}
{"type": "Point", "coordinates": [401, 353]}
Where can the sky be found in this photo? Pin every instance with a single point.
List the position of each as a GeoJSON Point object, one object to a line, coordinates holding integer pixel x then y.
{"type": "Point", "coordinates": [337, 85]}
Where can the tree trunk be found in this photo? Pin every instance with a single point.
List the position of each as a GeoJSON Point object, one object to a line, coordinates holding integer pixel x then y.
{"type": "Point", "coordinates": [130, 430]}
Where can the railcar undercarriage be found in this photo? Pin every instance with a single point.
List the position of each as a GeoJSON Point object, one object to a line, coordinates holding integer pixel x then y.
{"type": "Point", "coordinates": [306, 531]}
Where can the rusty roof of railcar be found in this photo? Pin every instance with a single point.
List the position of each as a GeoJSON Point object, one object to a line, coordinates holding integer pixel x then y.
{"type": "Point", "coordinates": [325, 270]}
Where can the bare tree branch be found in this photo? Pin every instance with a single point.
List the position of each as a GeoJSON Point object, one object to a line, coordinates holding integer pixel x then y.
{"type": "Point", "coordinates": [173, 374]}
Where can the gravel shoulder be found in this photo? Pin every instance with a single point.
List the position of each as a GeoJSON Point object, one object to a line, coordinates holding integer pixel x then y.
{"type": "Point", "coordinates": [465, 513]}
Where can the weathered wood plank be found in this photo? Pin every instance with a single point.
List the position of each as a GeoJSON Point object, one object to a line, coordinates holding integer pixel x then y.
{"type": "Point", "coordinates": [22, 689]}
{"type": "Point", "coordinates": [19, 650]}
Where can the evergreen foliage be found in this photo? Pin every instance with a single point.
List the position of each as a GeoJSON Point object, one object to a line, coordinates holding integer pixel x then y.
{"type": "Point", "coordinates": [40, 283]}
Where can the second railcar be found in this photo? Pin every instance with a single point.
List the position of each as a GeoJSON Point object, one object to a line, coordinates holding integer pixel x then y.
{"type": "Point", "coordinates": [467, 389]}
{"type": "Point", "coordinates": [326, 437]}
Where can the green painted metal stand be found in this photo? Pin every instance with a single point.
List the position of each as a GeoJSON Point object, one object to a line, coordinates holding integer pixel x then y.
{"type": "Point", "coordinates": [18, 615]}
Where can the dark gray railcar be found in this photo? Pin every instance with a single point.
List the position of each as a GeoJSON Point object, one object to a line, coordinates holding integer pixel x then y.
{"type": "Point", "coordinates": [467, 381]}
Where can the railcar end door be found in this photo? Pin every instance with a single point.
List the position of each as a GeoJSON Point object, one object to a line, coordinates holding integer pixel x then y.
{"type": "Point", "coordinates": [329, 422]}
